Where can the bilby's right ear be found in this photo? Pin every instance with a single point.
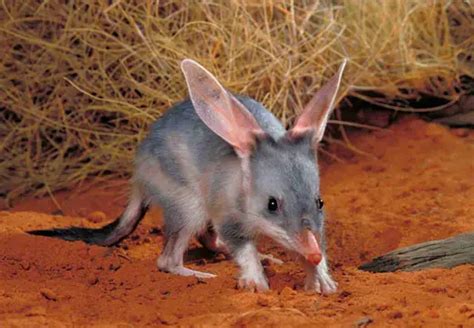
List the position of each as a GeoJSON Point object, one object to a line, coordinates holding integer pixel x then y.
{"type": "Point", "coordinates": [219, 110]}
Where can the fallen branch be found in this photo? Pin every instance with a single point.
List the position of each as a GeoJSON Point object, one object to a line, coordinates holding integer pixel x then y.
{"type": "Point", "coordinates": [445, 253]}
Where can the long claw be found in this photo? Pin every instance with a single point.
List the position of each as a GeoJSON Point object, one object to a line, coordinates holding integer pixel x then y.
{"type": "Point", "coordinates": [182, 271]}
{"type": "Point", "coordinates": [327, 286]}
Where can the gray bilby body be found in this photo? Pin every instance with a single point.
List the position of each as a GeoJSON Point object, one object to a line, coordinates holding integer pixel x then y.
{"type": "Point", "coordinates": [224, 169]}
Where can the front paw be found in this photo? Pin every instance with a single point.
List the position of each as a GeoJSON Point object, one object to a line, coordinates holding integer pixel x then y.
{"type": "Point", "coordinates": [321, 285]}
{"type": "Point", "coordinates": [253, 284]}
{"type": "Point", "coordinates": [327, 285]}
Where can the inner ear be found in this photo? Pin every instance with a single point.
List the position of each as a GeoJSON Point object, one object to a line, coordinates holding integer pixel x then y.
{"type": "Point", "coordinates": [315, 115]}
{"type": "Point", "coordinates": [220, 110]}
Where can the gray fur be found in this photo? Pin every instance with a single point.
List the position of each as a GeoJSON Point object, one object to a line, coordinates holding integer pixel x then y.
{"type": "Point", "coordinates": [280, 167]}
{"type": "Point", "coordinates": [211, 189]}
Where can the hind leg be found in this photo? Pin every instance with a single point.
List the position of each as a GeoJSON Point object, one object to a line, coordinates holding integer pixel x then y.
{"type": "Point", "coordinates": [182, 203]}
{"type": "Point", "coordinates": [179, 230]}
{"type": "Point", "coordinates": [210, 240]}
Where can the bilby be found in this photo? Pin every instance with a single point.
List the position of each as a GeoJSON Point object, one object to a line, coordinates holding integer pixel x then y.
{"type": "Point", "coordinates": [224, 169]}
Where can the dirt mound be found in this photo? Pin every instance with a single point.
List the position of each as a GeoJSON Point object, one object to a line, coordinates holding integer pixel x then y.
{"type": "Point", "coordinates": [414, 185]}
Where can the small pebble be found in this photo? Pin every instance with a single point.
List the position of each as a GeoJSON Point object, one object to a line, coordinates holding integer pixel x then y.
{"type": "Point", "coordinates": [25, 265]}
{"type": "Point", "coordinates": [114, 266]}
{"type": "Point", "coordinates": [263, 300]}
{"type": "Point", "coordinates": [345, 294]}
{"type": "Point", "coordinates": [395, 315]}
{"type": "Point", "coordinates": [287, 292]}
{"type": "Point", "coordinates": [48, 294]}
{"type": "Point", "coordinates": [364, 322]}
{"type": "Point", "coordinates": [464, 308]}
{"type": "Point", "coordinates": [96, 216]}
{"type": "Point", "coordinates": [167, 319]}
{"type": "Point", "coordinates": [92, 280]}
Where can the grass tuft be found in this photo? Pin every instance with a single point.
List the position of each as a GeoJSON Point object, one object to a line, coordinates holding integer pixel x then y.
{"type": "Point", "coordinates": [80, 81]}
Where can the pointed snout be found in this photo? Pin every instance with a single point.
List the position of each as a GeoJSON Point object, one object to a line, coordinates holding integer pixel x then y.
{"type": "Point", "coordinates": [309, 247]}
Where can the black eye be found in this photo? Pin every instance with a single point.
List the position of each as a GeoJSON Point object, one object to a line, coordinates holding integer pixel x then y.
{"type": "Point", "coordinates": [319, 203]}
{"type": "Point", "coordinates": [272, 204]}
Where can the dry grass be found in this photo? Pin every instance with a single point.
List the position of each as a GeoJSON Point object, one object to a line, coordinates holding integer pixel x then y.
{"type": "Point", "coordinates": [80, 81]}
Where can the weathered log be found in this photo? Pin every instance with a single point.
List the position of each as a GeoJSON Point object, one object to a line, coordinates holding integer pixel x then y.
{"type": "Point", "coordinates": [458, 120]}
{"type": "Point", "coordinates": [445, 253]}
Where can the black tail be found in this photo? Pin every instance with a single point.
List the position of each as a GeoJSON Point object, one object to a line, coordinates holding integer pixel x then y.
{"type": "Point", "coordinates": [108, 235]}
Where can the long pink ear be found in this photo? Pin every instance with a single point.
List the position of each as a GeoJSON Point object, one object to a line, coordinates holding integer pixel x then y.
{"type": "Point", "coordinates": [316, 113]}
{"type": "Point", "coordinates": [219, 110]}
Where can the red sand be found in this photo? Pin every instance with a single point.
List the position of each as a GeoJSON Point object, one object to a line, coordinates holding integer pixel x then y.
{"type": "Point", "coordinates": [414, 185]}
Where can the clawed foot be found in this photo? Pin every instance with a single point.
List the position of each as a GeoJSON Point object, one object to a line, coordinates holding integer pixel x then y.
{"type": "Point", "coordinates": [327, 286]}
{"type": "Point", "coordinates": [182, 271]}
{"type": "Point", "coordinates": [320, 285]}
{"type": "Point", "coordinates": [318, 278]}
{"type": "Point", "coordinates": [258, 284]}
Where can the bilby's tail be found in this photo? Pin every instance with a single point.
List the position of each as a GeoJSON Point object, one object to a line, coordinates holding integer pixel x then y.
{"type": "Point", "coordinates": [108, 235]}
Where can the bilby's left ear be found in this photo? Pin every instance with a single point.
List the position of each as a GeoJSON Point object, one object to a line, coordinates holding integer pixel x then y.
{"type": "Point", "coordinates": [315, 115]}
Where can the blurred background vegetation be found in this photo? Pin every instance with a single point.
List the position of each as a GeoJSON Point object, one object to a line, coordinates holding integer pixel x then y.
{"type": "Point", "coordinates": [80, 81]}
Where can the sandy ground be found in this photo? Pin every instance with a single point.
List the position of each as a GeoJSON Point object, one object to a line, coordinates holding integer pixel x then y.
{"type": "Point", "coordinates": [414, 184]}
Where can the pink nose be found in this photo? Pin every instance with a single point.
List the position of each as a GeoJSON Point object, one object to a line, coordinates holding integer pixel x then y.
{"type": "Point", "coordinates": [310, 247]}
{"type": "Point", "coordinates": [314, 258]}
